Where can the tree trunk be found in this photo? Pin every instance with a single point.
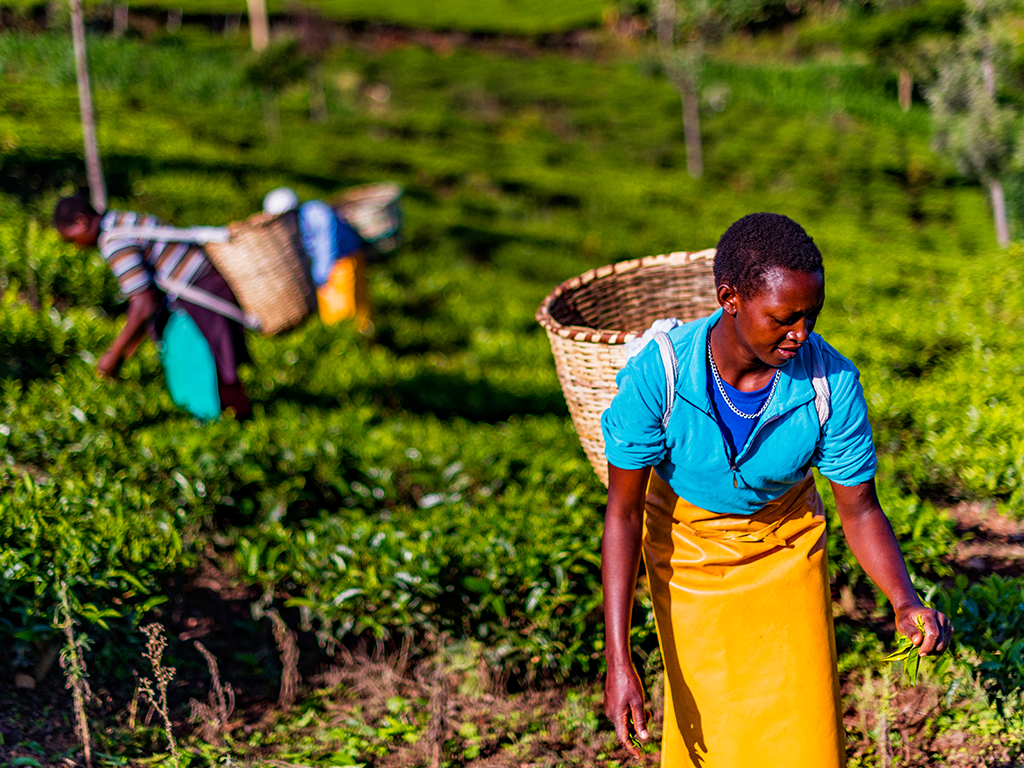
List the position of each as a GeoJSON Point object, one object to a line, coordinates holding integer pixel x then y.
{"type": "Point", "coordinates": [97, 188]}
{"type": "Point", "coordinates": [666, 19]}
{"type": "Point", "coordinates": [120, 19]}
{"type": "Point", "coordinates": [272, 116]}
{"type": "Point", "coordinates": [988, 71]}
{"type": "Point", "coordinates": [259, 24]}
{"type": "Point", "coordinates": [995, 189]}
{"type": "Point", "coordinates": [906, 89]}
{"type": "Point", "coordinates": [691, 127]}
{"type": "Point", "coordinates": [317, 100]}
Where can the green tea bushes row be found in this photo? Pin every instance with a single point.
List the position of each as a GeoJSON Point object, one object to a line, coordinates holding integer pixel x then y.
{"type": "Point", "coordinates": [938, 367]}
{"type": "Point", "coordinates": [47, 272]}
{"type": "Point", "coordinates": [296, 466]}
{"type": "Point", "coordinates": [418, 526]}
{"type": "Point", "coordinates": [36, 344]}
{"type": "Point", "coordinates": [447, 119]}
{"type": "Point", "coordinates": [925, 533]}
{"type": "Point", "coordinates": [479, 544]}
{"type": "Point", "coordinates": [989, 620]}
{"type": "Point", "coordinates": [105, 540]}
{"type": "Point", "coordinates": [514, 183]}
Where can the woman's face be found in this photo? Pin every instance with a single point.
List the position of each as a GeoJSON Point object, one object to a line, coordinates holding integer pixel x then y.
{"type": "Point", "coordinates": [772, 324]}
{"type": "Point", "coordinates": [83, 231]}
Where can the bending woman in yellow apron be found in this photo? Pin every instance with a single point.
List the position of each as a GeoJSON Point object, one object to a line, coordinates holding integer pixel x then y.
{"type": "Point", "coordinates": [731, 412]}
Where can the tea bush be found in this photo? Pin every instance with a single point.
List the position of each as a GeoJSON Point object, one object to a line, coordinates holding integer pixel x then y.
{"type": "Point", "coordinates": [426, 479]}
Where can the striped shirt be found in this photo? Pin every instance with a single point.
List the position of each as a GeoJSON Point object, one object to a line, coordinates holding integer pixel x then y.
{"type": "Point", "coordinates": [136, 261]}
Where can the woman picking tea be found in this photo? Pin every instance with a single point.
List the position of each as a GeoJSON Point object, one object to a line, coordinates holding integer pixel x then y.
{"type": "Point", "coordinates": [730, 525]}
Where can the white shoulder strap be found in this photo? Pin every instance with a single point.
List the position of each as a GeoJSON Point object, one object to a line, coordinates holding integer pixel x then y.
{"type": "Point", "coordinates": [671, 363]}
{"type": "Point", "coordinates": [177, 289]}
{"type": "Point", "coordinates": [198, 235]}
{"type": "Point", "coordinates": [819, 380]}
{"type": "Point", "coordinates": [822, 392]}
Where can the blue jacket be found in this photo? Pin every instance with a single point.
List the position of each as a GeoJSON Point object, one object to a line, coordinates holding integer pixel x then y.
{"type": "Point", "coordinates": [690, 454]}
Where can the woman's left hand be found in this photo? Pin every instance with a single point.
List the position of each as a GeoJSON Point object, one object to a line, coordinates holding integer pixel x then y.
{"type": "Point", "coordinates": [938, 632]}
{"type": "Point", "coordinates": [108, 365]}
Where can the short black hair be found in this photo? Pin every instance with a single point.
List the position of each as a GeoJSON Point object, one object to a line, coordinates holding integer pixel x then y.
{"type": "Point", "coordinates": [758, 243]}
{"type": "Point", "coordinates": [68, 207]}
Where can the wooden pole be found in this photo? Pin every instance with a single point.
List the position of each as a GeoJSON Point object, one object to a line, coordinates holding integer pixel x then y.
{"type": "Point", "coordinates": [120, 19]}
{"type": "Point", "coordinates": [259, 24]}
{"type": "Point", "coordinates": [995, 188]}
{"type": "Point", "coordinates": [906, 89]}
{"type": "Point", "coordinates": [97, 187]}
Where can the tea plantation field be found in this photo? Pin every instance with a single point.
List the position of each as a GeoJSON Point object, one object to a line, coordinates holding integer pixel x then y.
{"type": "Point", "coordinates": [525, 17]}
{"type": "Point", "coordinates": [409, 511]}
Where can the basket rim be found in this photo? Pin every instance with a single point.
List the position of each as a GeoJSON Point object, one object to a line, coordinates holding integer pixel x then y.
{"type": "Point", "coordinates": [606, 335]}
{"type": "Point", "coordinates": [387, 191]}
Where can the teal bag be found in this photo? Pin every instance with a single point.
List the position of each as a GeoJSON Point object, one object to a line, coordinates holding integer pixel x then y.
{"type": "Point", "coordinates": [189, 367]}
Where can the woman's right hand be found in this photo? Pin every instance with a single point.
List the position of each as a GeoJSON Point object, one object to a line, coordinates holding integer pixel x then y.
{"type": "Point", "coordinates": [624, 701]}
{"type": "Point", "coordinates": [620, 560]}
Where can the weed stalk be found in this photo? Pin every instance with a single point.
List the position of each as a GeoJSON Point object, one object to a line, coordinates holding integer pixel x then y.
{"type": "Point", "coordinates": [214, 715]}
{"type": "Point", "coordinates": [73, 663]}
{"type": "Point", "coordinates": [156, 692]}
{"type": "Point", "coordinates": [288, 645]}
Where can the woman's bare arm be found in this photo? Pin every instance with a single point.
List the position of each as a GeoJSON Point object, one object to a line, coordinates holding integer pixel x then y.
{"type": "Point", "coordinates": [874, 545]}
{"type": "Point", "coordinates": [620, 561]}
{"type": "Point", "coordinates": [141, 307]}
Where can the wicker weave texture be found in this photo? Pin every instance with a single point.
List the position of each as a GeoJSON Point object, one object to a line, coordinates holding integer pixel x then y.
{"type": "Point", "coordinates": [374, 210]}
{"type": "Point", "coordinates": [265, 266]}
{"type": "Point", "coordinates": [590, 318]}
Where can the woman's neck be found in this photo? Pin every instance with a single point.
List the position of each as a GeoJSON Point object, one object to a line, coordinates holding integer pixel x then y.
{"type": "Point", "coordinates": [737, 366]}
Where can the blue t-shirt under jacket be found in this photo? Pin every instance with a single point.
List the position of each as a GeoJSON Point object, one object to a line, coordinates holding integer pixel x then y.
{"type": "Point", "coordinates": [690, 454]}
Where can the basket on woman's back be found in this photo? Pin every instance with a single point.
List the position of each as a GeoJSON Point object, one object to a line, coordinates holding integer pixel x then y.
{"type": "Point", "coordinates": [590, 318]}
{"type": "Point", "coordinates": [268, 270]}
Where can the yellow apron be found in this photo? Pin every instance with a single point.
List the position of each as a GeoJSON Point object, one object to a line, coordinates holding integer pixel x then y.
{"type": "Point", "coordinates": [344, 295]}
{"type": "Point", "coordinates": [744, 616]}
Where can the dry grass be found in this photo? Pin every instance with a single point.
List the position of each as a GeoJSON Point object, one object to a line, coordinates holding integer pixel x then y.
{"type": "Point", "coordinates": [288, 646]}
{"type": "Point", "coordinates": [213, 715]}
{"type": "Point", "coordinates": [464, 720]}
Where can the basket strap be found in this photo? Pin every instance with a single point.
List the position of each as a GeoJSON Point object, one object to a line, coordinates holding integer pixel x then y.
{"type": "Point", "coordinates": [822, 392]}
{"type": "Point", "coordinates": [176, 289]}
{"type": "Point", "coordinates": [671, 363]}
{"type": "Point", "coordinates": [198, 235]}
{"type": "Point", "coordinates": [819, 380]}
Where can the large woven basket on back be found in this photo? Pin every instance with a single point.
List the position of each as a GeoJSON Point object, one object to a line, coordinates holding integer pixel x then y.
{"type": "Point", "coordinates": [590, 318]}
{"type": "Point", "coordinates": [266, 267]}
{"type": "Point", "coordinates": [375, 212]}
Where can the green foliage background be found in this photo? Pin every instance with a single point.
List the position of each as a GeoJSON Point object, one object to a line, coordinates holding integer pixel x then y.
{"type": "Point", "coordinates": [426, 478]}
{"type": "Point", "coordinates": [530, 17]}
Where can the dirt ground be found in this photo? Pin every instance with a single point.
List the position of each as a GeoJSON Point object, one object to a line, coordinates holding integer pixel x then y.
{"type": "Point", "coordinates": [989, 542]}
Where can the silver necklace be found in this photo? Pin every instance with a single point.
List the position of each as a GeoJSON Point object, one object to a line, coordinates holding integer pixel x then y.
{"type": "Point", "coordinates": [721, 389]}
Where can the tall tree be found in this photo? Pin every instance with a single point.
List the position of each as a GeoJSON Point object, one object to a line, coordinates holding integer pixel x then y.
{"type": "Point", "coordinates": [684, 29]}
{"type": "Point", "coordinates": [905, 36]}
{"type": "Point", "coordinates": [683, 62]}
{"type": "Point", "coordinates": [902, 35]}
{"type": "Point", "coordinates": [972, 125]}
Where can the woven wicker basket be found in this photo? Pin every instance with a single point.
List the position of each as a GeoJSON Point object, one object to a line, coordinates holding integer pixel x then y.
{"type": "Point", "coordinates": [375, 211]}
{"type": "Point", "coordinates": [265, 266]}
{"type": "Point", "coordinates": [590, 318]}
